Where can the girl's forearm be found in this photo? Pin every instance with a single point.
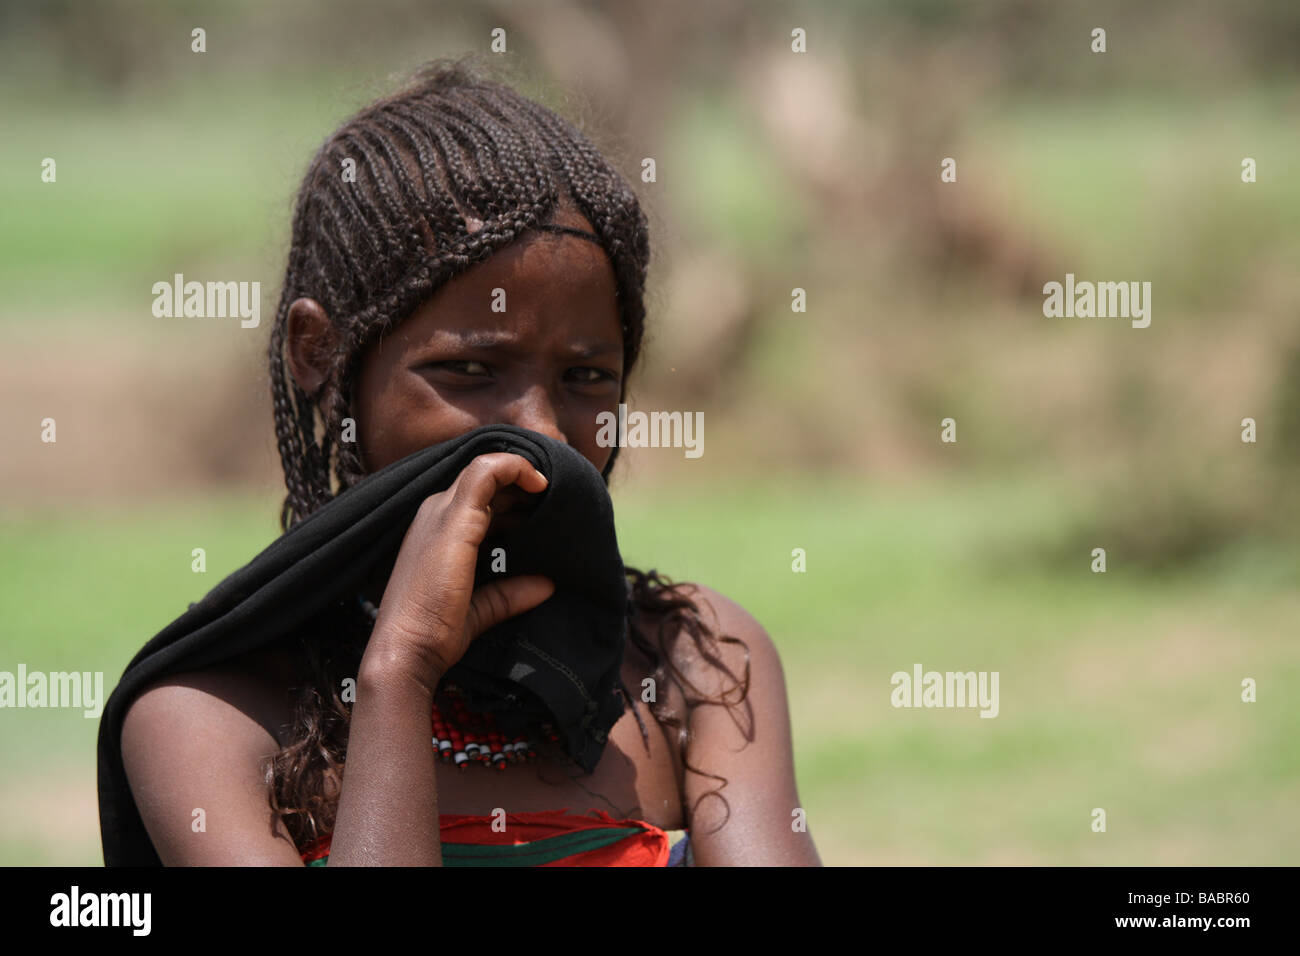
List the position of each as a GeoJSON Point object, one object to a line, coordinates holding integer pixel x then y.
{"type": "Point", "coordinates": [388, 803]}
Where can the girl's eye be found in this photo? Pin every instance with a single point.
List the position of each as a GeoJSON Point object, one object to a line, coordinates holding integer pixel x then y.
{"type": "Point", "coordinates": [465, 367]}
{"type": "Point", "coordinates": [587, 375]}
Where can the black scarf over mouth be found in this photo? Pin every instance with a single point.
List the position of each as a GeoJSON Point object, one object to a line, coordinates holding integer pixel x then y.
{"type": "Point", "coordinates": [557, 663]}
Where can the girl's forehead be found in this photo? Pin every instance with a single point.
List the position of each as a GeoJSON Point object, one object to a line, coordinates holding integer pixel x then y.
{"type": "Point", "coordinates": [546, 283]}
{"type": "Point", "coordinates": [540, 265]}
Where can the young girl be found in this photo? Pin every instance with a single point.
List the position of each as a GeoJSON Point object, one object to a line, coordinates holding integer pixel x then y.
{"type": "Point", "coordinates": [414, 218]}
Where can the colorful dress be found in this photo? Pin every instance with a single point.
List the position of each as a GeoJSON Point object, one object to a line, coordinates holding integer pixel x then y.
{"type": "Point", "coordinates": [548, 838]}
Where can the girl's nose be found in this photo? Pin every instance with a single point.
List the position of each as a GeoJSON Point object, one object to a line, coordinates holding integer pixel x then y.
{"type": "Point", "coordinates": [536, 411]}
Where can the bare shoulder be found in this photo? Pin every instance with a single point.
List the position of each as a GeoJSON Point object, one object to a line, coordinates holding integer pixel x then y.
{"type": "Point", "coordinates": [739, 642]}
{"type": "Point", "coordinates": [257, 686]}
{"type": "Point", "coordinates": [252, 686]}
{"type": "Point", "coordinates": [743, 805]}
{"type": "Point", "coordinates": [196, 747]}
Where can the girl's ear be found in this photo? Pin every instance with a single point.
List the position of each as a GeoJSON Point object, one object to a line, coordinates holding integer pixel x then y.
{"type": "Point", "coordinates": [311, 341]}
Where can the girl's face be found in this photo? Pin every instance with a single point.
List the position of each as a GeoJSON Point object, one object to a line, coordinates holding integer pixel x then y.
{"type": "Point", "coordinates": [549, 359]}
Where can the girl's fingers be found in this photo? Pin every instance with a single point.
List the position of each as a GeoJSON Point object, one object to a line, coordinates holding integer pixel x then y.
{"type": "Point", "coordinates": [483, 477]}
{"type": "Point", "coordinates": [431, 602]}
{"type": "Point", "coordinates": [500, 600]}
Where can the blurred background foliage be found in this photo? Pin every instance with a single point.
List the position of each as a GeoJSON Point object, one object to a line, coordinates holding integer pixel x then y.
{"type": "Point", "coordinates": [775, 171]}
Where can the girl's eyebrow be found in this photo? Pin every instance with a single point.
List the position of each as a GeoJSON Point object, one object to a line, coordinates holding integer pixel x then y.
{"type": "Point", "coordinates": [508, 342]}
{"type": "Point", "coordinates": [593, 348]}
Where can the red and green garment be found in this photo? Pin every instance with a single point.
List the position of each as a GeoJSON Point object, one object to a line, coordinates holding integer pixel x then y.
{"type": "Point", "coordinates": [548, 838]}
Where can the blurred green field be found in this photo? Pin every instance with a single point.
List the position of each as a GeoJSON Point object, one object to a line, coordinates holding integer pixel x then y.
{"type": "Point", "coordinates": [1119, 691]}
{"type": "Point", "coordinates": [228, 158]}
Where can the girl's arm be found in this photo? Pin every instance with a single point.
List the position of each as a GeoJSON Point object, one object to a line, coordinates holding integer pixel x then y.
{"type": "Point", "coordinates": [429, 614]}
{"type": "Point", "coordinates": [196, 750]}
{"type": "Point", "coordinates": [188, 745]}
{"type": "Point", "coordinates": [196, 754]}
{"type": "Point", "coordinates": [388, 805]}
{"type": "Point", "coordinates": [749, 745]}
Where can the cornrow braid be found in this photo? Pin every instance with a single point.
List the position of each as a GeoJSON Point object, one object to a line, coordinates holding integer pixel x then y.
{"type": "Point", "coordinates": [448, 171]}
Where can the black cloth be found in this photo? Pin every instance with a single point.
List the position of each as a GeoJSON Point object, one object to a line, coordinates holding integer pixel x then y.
{"type": "Point", "coordinates": [558, 662]}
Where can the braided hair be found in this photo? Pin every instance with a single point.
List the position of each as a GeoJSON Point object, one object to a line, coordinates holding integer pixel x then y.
{"type": "Point", "coordinates": [443, 173]}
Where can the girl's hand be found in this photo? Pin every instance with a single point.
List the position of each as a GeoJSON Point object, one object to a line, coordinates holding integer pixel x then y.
{"type": "Point", "coordinates": [430, 610]}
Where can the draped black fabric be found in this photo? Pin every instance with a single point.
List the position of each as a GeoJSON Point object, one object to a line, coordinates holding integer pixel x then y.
{"type": "Point", "coordinates": [558, 662]}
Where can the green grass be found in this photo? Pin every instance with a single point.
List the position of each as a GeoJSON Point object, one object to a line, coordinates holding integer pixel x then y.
{"type": "Point", "coordinates": [1107, 179]}
{"type": "Point", "coordinates": [1119, 691]}
{"type": "Point", "coordinates": [199, 178]}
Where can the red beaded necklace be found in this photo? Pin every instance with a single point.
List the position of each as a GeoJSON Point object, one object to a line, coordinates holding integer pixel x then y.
{"type": "Point", "coordinates": [462, 736]}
